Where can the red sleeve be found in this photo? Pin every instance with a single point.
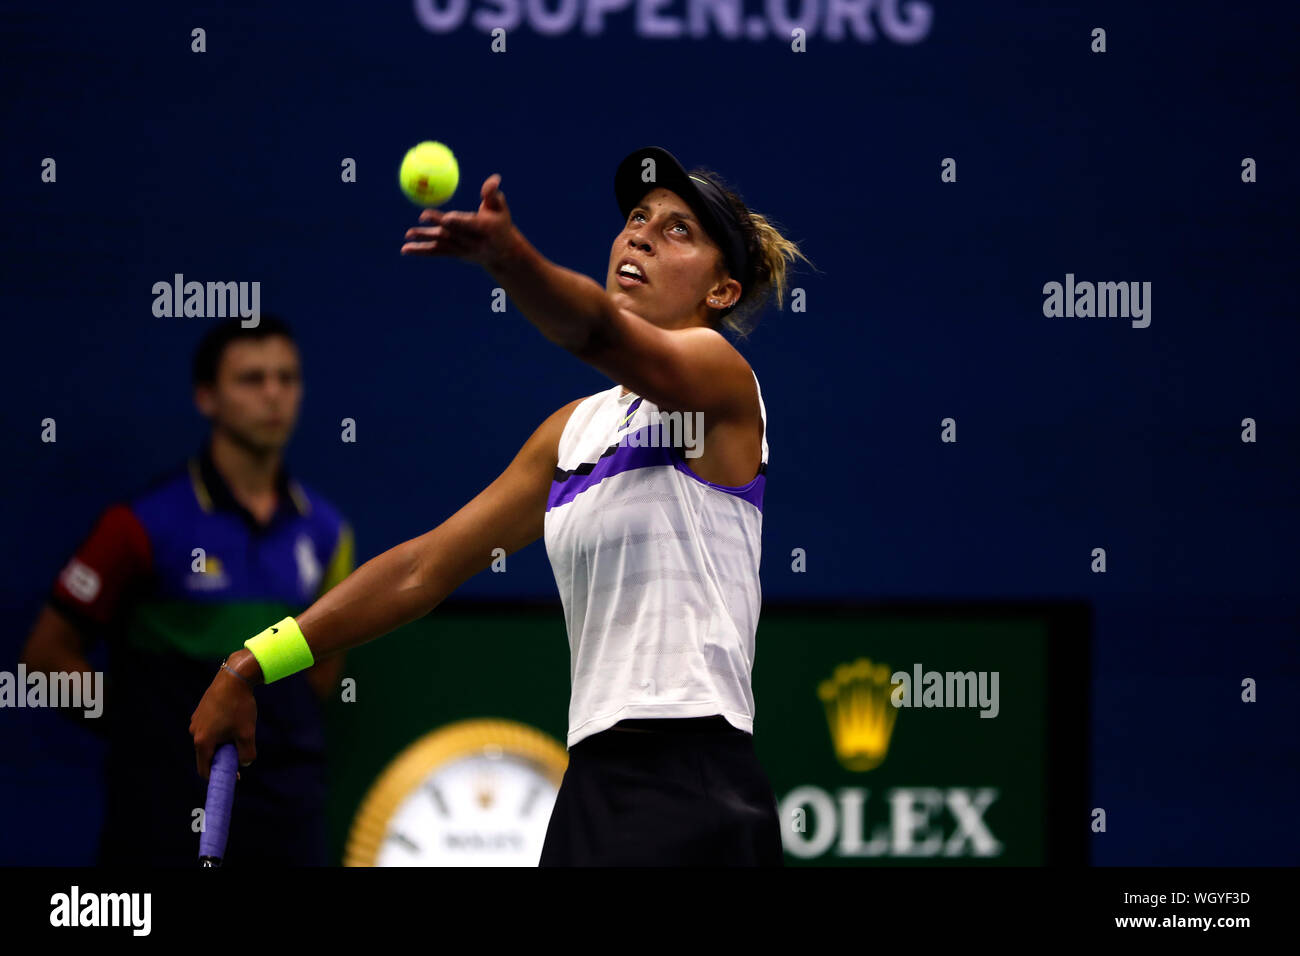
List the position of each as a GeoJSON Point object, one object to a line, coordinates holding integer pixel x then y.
{"type": "Point", "coordinates": [110, 564]}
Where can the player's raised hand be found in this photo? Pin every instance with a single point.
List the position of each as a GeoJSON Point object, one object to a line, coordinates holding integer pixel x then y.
{"type": "Point", "coordinates": [482, 237]}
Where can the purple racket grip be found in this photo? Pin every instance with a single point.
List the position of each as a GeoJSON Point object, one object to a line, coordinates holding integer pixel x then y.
{"type": "Point", "coordinates": [216, 811]}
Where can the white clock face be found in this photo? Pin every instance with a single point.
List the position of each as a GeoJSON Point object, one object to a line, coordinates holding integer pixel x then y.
{"type": "Point", "coordinates": [489, 808]}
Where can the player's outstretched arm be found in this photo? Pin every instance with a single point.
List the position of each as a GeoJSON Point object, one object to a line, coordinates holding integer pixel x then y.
{"type": "Point", "coordinates": [396, 587]}
{"type": "Point", "coordinates": [691, 369]}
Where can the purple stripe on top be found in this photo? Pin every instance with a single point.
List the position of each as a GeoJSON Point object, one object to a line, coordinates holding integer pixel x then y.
{"type": "Point", "coordinates": [751, 492]}
{"type": "Point", "coordinates": [627, 457]}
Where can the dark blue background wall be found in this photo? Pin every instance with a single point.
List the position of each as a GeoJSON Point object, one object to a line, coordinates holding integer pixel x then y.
{"type": "Point", "coordinates": [1073, 433]}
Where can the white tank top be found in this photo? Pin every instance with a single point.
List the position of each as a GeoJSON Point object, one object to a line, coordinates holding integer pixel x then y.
{"type": "Point", "coordinates": [657, 568]}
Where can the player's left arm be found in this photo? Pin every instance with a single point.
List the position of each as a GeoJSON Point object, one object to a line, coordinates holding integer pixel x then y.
{"type": "Point", "coordinates": [325, 675]}
{"type": "Point", "coordinates": [690, 370]}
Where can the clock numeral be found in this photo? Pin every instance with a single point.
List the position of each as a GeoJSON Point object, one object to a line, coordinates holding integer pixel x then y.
{"type": "Point", "coordinates": [404, 840]}
{"type": "Point", "coordinates": [530, 798]}
{"type": "Point", "coordinates": [433, 791]}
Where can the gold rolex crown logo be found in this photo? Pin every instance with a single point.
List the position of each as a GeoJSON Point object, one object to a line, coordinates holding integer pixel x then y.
{"type": "Point", "coordinates": [859, 712]}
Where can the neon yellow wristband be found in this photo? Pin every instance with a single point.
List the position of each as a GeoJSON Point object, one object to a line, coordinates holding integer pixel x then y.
{"type": "Point", "coordinates": [280, 650]}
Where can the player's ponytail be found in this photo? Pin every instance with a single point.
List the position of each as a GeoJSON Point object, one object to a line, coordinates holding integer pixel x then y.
{"type": "Point", "coordinates": [769, 254]}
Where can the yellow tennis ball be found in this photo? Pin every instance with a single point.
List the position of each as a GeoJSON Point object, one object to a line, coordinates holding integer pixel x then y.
{"type": "Point", "coordinates": [429, 174]}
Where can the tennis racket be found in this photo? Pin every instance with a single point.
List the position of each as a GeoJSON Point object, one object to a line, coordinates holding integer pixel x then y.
{"type": "Point", "coordinates": [216, 809]}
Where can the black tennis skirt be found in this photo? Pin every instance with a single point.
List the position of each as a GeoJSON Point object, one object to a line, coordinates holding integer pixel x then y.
{"type": "Point", "coordinates": [664, 792]}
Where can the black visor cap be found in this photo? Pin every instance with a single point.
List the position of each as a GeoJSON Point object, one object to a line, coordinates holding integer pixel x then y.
{"type": "Point", "coordinates": [705, 199]}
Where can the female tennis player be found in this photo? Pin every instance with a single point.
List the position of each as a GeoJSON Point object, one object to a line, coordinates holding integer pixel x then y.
{"type": "Point", "coordinates": [652, 526]}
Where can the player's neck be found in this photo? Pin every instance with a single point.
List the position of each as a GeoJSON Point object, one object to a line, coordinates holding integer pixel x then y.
{"type": "Point", "coordinates": [249, 474]}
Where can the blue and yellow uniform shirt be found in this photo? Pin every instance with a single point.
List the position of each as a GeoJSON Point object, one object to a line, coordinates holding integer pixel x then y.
{"type": "Point", "coordinates": [177, 578]}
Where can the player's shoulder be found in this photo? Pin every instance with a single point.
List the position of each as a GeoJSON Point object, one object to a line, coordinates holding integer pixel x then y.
{"type": "Point", "coordinates": [545, 440]}
{"type": "Point", "coordinates": [562, 415]}
{"type": "Point", "coordinates": [566, 412]}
